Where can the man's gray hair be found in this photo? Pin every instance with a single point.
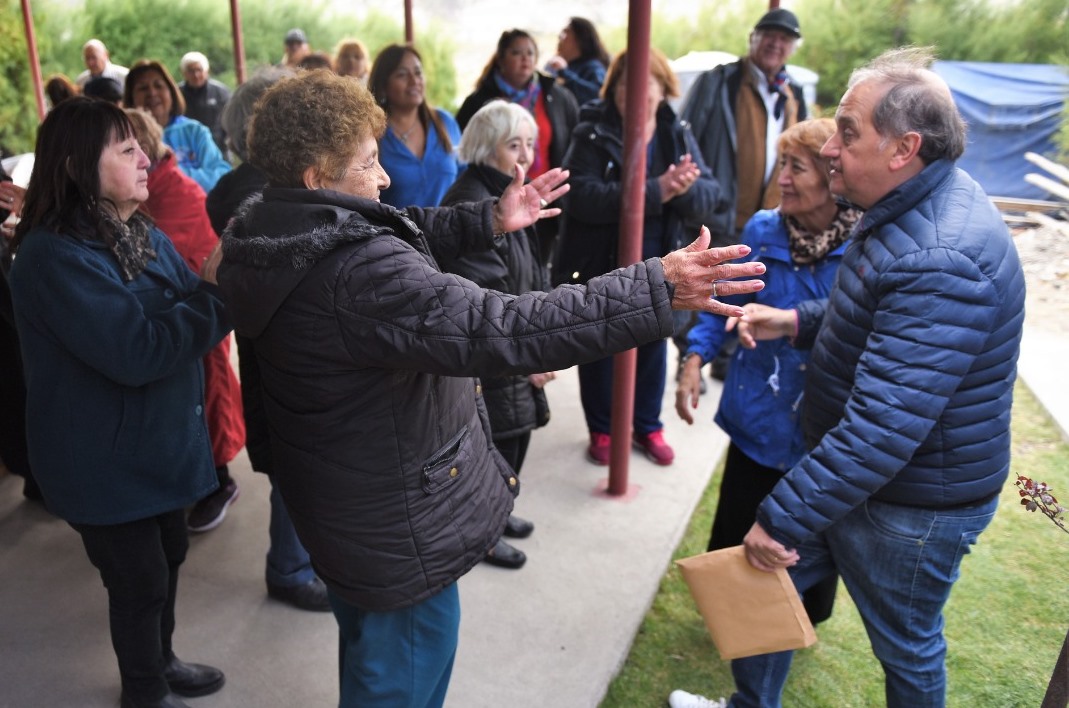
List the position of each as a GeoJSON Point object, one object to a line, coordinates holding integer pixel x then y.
{"type": "Point", "coordinates": [239, 108]}
{"type": "Point", "coordinates": [193, 58]}
{"type": "Point", "coordinates": [498, 120]}
{"type": "Point", "coordinates": [917, 101]}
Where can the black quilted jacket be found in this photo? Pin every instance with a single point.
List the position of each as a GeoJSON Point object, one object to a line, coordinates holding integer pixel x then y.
{"type": "Point", "coordinates": [379, 436]}
{"type": "Point", "coordinates": [513, 265]}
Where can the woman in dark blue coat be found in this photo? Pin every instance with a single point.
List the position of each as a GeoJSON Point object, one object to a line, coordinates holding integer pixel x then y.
{"type": "Point", "coordinates": [681, 195]}
{"type": "Point", "coordinates": [113, 326]}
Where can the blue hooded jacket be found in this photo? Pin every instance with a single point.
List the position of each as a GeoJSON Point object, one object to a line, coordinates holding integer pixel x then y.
{"type": "Point", "coordinates": [760, 405]}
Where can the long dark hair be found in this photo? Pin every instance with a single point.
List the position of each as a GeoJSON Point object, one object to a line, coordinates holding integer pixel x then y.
{"type": "Point", "coordinates": [64, 190]}
{"type": "Point", "coordinates": [503, 43]}
{"type": "Point", "coordinates": [588, 41]}
{"type": "Point", "coordinates": [386, 62]}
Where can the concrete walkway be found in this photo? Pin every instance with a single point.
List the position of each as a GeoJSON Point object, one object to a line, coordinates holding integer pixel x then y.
{"type": "Point", "coordinates": [552, 634]}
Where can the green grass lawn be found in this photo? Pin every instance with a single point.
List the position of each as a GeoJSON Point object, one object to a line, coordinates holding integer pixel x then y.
{"type": "Point", "coordinates": [1005, 621]}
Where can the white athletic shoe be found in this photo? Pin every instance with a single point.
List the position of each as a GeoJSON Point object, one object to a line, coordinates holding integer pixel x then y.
{"type": "Point", "coordinates": [682, 699]}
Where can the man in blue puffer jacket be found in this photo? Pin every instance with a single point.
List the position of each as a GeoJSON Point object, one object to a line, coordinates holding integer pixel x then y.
{"type": "Point", "coordinates": [910, 384]}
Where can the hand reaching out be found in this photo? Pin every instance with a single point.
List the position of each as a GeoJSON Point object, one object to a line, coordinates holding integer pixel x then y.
{"type": "Point", "coordinates": [523, 204]}
{"type": "Point", "coordinates": [700, 275]}
{"type": "Point", "coordinates": [760, 322]}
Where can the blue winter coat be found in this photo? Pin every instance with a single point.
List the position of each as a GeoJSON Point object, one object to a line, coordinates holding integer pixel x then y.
{"type": "Point", "coordinates": [115, 389]}
{"type": "Point", "coordinates": [198, 155]}
{"type": "Point", "coordinates": [759, 407]}
{"type": "Point", "coordinates": [911, 376]}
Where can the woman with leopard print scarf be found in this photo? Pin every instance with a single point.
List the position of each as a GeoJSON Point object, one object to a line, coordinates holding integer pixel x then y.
{"type": "Point", "coordinates": [801, 242]}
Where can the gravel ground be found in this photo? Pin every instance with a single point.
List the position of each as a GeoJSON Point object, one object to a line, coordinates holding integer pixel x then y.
{"type": "Point", "coordinates": [1044, 253]}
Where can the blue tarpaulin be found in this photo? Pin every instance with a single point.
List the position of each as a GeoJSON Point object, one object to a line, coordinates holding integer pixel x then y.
{"type": "Point", "coordinates": [1010, 109]}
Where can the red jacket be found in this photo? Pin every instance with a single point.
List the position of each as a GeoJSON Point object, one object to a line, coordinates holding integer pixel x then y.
{"type": "Point", "coordinates": [176, 203]}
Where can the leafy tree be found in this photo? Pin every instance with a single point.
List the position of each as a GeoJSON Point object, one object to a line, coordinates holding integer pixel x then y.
{"type": "Point", "coordinates": [850, 32]}
{"type": "Point", "coordinates": [18, 109]}
{"type": "Point", "coordinates": [167, 29]}
{"type": "Point", "coordinates": [839, 36]}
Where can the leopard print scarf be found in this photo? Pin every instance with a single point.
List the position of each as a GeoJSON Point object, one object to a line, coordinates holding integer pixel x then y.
{"type": "Point", "coordinates": [809, 248]}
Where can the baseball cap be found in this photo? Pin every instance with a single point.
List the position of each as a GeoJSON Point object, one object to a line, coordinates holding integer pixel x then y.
{"type": "Point", "coordinates": [780, 19]}
{"type": "Point", "coordinates": [296, 36]}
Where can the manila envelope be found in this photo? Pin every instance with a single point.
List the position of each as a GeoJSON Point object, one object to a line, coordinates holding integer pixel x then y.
{"type": "Point", "coordinates": [747, 611]}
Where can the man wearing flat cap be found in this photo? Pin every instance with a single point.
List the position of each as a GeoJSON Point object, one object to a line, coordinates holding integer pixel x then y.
{"type": "Point", "coordinates": [296, 48]}
{"type": "Point", "coordinates": [737, 112]}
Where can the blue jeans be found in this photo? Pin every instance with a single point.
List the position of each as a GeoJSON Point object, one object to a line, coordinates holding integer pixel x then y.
{"type": "Point", "coordinates": [288, 564]}
{"type": "Point", "coordinates": [595, 389]}
{"type": "Point", "coordinates": [400, 658]}
{"type": "Point", "coordinates": [899, 564]}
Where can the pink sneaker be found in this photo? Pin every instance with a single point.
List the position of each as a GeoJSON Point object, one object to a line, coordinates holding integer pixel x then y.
{"type": "Point", "coordinates": [656, 449]}
{"type": "Point", "coordinates": [600, 446]}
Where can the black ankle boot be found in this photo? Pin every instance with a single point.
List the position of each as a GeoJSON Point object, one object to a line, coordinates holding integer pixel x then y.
{"type": "Point", "coordinates": [191, 680]}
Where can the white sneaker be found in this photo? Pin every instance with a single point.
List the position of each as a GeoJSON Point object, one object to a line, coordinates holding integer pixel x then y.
{"type": "Point", "coordinates": [682, 699]}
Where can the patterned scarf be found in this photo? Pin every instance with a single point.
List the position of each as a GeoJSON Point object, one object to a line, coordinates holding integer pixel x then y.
{"type": "Point", "coordinates": [809, 248]}
{"type": "Point", "coordinates": [129, 242]}
{"type": "Point", "coordinates": [526, 97]}
{"type": "Point", "coordinates": [777, 86]}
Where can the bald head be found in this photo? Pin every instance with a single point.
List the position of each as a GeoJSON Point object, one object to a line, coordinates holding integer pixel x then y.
{"type": "Point", "coordinates": [95, 55]}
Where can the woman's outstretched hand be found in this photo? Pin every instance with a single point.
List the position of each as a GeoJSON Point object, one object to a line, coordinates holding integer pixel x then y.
{"type": "Point", "coordinates": [763, 322]}
{"type": "Point", "coordinates": [523, 204]}
{"type": "Point", "coordinates": [700, 275]}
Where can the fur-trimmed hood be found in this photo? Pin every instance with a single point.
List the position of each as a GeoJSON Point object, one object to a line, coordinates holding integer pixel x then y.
{"type": "Point", "coordinates": [281, 234]}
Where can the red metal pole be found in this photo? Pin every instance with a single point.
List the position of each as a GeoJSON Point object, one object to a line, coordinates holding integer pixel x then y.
{"type": "Point", "coordinates": [632, 214]}
{"type": "Point", "coordinates": [239, 42]}
{"type": "Point", "coordinates": [35, 61]}
{"type": "Point", "coordinates": [409, 31]}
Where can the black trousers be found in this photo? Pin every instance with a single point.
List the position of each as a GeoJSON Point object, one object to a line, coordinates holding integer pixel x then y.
{"type": "Point", "coordinates": [514, 449]}
{"type": "Point", "coordinates": [138, 563]}
{"type": "Point", "coordinates": [744, 486]}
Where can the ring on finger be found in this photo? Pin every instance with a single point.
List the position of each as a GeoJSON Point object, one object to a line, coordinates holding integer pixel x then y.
{"type": "Point", "coordinates": [543, 203]}
{"type": "Point", "coordinates": [714, 290]}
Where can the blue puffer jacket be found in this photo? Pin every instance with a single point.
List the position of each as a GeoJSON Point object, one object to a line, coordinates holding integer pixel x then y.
{"type": "Point", "coordinates": [911, 376]}
{"type": "Point", "coordinates": [759, 406]}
